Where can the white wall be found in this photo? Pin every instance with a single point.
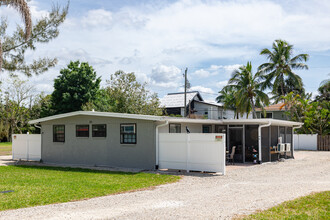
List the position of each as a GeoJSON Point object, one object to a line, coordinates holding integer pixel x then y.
{"type": "Point", "coordinates": [305, 141]}
{"type": "Point", "coordinates": [26, 146]}
{"type": "Point", "coordinates": [201, 152]}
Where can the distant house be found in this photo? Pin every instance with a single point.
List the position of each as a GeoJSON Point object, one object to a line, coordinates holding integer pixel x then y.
{"type": "Point", "coordinates": [195, 106]}
{"type": "Point", "coordinates": [276, 111]}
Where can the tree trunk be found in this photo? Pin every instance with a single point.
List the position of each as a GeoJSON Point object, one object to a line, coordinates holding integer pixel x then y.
{"type": "Point", "coordinates": [253, 108]}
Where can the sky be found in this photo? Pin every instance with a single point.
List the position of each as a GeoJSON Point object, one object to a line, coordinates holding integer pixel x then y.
{"type": "Point", "coordinates": [157, 40]}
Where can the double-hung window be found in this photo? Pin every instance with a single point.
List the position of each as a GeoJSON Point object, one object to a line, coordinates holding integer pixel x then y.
{"type": "Point", "coordinates": [99, 130]}
{"type": "Point", "coordinates": [128, 133]}
{"type": "Point", "coordinates": [82, 130]}
{"type": "Point", "coordinates": [58, 133]}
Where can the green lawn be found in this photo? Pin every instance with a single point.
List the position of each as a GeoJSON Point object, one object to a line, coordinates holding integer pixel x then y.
{"type": "Point", "coordinates": [35, 185]}
{"type": "Point", "coordinates": [5, 148]}
{"type": "Point", "coordinates": [314, 206]}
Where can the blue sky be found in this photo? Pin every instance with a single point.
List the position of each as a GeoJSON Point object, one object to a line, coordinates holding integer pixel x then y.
{"type": "Point", "coordinates": [158, 39]}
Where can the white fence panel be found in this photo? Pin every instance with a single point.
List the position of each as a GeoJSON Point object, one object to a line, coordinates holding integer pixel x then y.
{"type": "Point", "coordinates": [305, 141]}
{"type": "Point", "coordinates": [26, 146]}
{"type": "Point", "coordinates": [194, 151]}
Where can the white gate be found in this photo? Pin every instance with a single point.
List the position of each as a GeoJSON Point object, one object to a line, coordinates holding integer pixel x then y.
{"type": "Point", "coordinates": [26, 146]}
{"type": "Point", "coordinates": [194, 151]}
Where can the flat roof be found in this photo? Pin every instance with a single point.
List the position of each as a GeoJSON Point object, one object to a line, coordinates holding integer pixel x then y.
{"type": "Point", "coordinates": [169, 119]}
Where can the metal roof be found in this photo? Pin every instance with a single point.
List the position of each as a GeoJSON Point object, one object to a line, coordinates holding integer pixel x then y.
{"type": "Point", "coordinates": [175, 100]}
{"type": "Point", "coordinates": [101, 114]}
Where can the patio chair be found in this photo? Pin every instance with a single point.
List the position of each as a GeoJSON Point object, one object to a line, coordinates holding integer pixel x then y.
{"type": "Point", "coordinates": [230, 157]}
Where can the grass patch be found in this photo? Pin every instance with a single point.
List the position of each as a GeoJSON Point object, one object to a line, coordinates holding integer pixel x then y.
{"type": "Point", "coordinates": [34, 185]}
{"type": "Point", "coordinates": [5, 148]}
{"type": "Point", "coordinates": [314, 206]}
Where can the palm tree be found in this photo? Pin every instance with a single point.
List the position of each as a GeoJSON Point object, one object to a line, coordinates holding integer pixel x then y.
{"type": "Point", "coordinates": [227, 98]}
{"type": "Point", "coordinates": [248, 90]}
{"type": "Point", "coordinates": [24, 11]}
{"type": "Point", "coordinates": [278, 72]}
{"type": "Point", "coordinates": [324, 91]}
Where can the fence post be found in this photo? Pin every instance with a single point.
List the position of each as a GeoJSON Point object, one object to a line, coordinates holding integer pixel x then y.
{"type": "Point", "coordinates": [27, 146]}
{"type": "Point", "coordinates": [188, 154]}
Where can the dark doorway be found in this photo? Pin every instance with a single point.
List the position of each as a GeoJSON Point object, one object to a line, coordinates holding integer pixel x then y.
{"type": "Point", "coordinates": [236, 139]}
{"type": "Point", "coordinates": [251, 141]}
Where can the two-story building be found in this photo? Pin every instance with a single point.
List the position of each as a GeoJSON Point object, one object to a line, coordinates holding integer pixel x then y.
{"type": "Point", "coordinates": [195, 105]}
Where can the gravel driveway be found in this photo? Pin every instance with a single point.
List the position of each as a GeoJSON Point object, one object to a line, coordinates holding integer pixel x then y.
{"type": "Point", "coordinates": [201, 196]}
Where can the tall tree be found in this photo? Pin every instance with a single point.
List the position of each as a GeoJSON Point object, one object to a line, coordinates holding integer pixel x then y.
{"type": "Point", "coordinates": [17, 43]}
{"type": "Point", "coordinates": [15, 108]}
{"type": "Point", "coordinates": [125, 94]}
{"type": "Point", "coordinates": [278, 72]}
{"type": "Point", "coordinates": [248, 90]}
{"type": "Point", "coordinates": [74, 87]}
{"type": "Point", "coordinates": [24, 11]}
{"type": "Point", "coordinates": [227, 98]}
{"type": "Point", "coordinates": [324, 91]}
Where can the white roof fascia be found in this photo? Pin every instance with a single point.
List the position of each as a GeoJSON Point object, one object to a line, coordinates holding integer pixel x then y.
{"type": "Point", "coordinates": [193, 121]}
{"type": "Point", "coordinates": [275, 122]}
{"type": "Point", "coordinates": [100, 114]}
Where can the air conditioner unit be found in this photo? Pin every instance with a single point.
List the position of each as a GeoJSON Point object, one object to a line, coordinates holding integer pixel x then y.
{"type": "Point", "coordinates": [287, 147]}
{"type": "Point", "coordinates": [281, 148]}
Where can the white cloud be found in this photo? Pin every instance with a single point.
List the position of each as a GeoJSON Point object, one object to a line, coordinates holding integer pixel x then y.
{"type": "Point", "coordinates": [97, 18]}
{"type": "Point", "coordinates": [201, 89]}
{"type": "Point", "coordinates": [221, 84]}
{"type": "Point", "coordinates": [202, 73]}
{"type": "Point", "coordinates": [166, 76]}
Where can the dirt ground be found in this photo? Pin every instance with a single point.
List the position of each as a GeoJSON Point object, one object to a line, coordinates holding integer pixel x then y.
{"type": "Point", "coordinates": [243, 190]}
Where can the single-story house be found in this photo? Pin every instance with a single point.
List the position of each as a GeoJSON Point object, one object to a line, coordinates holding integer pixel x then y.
{"type": "Point", "coordinates": [130, 140]}
{"type": "Point", "coordinates": [195, 105]}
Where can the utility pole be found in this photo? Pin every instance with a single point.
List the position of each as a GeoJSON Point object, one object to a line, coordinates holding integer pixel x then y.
{"type": "Point", "coordinates": [185, 92]}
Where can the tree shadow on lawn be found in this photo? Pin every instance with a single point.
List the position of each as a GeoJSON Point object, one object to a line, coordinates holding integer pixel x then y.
{"type": "Point", "coordinates": [71, 169]}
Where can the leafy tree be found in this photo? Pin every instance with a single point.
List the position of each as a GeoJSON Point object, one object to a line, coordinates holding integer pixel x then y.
{"type": "Point", "coordinates": [24, 11]}
{"type": "Point", "coordinates": [125, 94]}
{"type": "Point", "coordinates": [248, 94]}
{"type": "Point", "coordinates": [15, 108]}
{"type": "Point", "coordinates": [278, 72]}
{"type": "Point", "coordinates": [74, 87]}
{"type": "Point", "coordinates": [315, 115]}
{"type": "Point", "coordinates": [16, 44]}
{"type": "Point", "coordinates": [324, 91]}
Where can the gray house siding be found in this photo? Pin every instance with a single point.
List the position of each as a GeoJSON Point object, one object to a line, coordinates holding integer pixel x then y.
{"type": "Point", "coordinates": [275, 115]}
{"type": "Point", "coordinates": [99, 151]}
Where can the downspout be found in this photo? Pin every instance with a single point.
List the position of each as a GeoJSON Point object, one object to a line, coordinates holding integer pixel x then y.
{"type": "Point", "coordinates": [259, 138]}
{"type": "Point", "coordinates": [292, 148]}
{"type": "Point", "coordinates": [157, 142]}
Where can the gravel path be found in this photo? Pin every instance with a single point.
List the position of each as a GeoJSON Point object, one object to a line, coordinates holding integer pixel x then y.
{"type": "Point", "coordinates": [241, 191]}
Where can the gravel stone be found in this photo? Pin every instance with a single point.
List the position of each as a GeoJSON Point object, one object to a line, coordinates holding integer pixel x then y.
{"type": "Point", "coordinates": [243, 190]}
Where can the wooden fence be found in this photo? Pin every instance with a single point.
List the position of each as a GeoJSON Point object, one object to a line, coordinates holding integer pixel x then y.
{"type": "Point", "coordinates": [323, 142]}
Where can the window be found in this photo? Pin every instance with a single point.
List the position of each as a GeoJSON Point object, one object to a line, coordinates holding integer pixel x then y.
{"type": "Point", "coordinates": [268, 115]}
{"type": "Point", "coordinates": [99, 130]}
{"type": "Point", "coordinates": [82, 130]}
{"type": "Point", "coordinates": [58, 133]}
{"type": "Point", "coordinates": [175, 128]}
{"type": "Point", "coordinates": [207, 128]}
{"type": "Point", "coordinates": [128, 133]}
